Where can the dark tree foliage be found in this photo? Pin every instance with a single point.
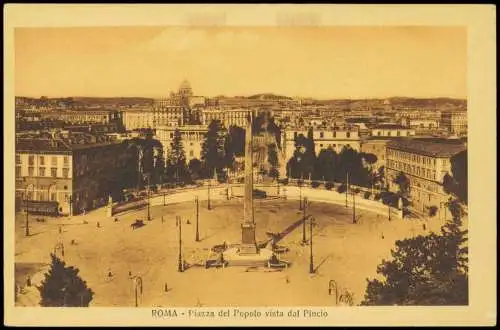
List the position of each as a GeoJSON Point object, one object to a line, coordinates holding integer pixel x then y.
{"type": "Point", "coordinates": [456, 183]}
{"type": "Point", "coordinates": [237, 138]}
{"type": "Point", "coordinates": [195, 167]}
{"type": "Point", "coordinates": [425, 270]}
{"type": "Point", "coordinates": [404, 184]}
{"type": "Point", "coordinates": [326, 164]}
{"type": "Point", "coordinates": [176, 169]}
{"type": "Point", "coordinates": [214, 149]}
{"type": "Point", "coordinates": [272, 156]}
{"type": "Point", "coordinates": [63, 287]}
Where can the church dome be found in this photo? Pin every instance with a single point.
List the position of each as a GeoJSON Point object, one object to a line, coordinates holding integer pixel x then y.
{"type": "Point", "coordinates": [185, 88]}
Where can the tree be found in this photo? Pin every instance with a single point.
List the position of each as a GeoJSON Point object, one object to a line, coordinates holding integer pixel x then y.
{"type": "Point", "coordinates": [326, 164]}
{"type": "Point", "coordinates": [176, 169]}
{"type": "Point", "coordinates": [349, 160]}
{"type": "Point", "coordinates": [237, 138]}
{"type": "Point", "coordinates": [272, 157]}
{"type": "Point", "coordinates": [456, 183]}
{"type": "Point", "coordinates": [195, 167]}
{"type": "Point", "coordinates": [425, 270]}
{"type": "Point", "coordinates": [63, 286]}
{"type": "Point", "coordinates": [213, 149]}
{"type": "Point", "coordinates": [403, 183]}
{"type": "Point", "coordinates": [304, 157]}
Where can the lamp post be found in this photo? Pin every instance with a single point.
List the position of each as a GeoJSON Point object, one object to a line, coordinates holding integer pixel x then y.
{"type": "Point", "coordinates": [389, 206]}
{"type": "Point", "coordinates": [149, 209]}
{"type": "Point", "coordinates": [137, 286]}
{"type": "Point", "coordinates": [164, 193]}
{"type": "Point", "coordinates": [27, 233]}
{"type": "Point", "coordinates": [354, 208]}
{"type": "Point", "coordinates": [311, 260]}
{"type": "Point", "coordinates": [180, 265]}
{"type": "Point", "coordinates": [300, 192]}
{"type": "Point", "coordinates": [346, 188]}
{"type": "Point", "coordinates": [197, 219]}
{"type": "Point", "coordinates": [304, 240]}
{"type": "Point", "coordinates": [70, 205]}
{"type": "Point", "coordinates": [208, 195]}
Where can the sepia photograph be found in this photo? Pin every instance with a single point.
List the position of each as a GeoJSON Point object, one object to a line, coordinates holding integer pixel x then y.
{"type": "Point", "coordinates": [235, 166]}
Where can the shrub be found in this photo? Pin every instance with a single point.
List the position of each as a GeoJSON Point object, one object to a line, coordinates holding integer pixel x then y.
{"type": "Point", "coordinates": [367, 195]}
{"type": "Point", "coordinates": [389, 198]}
{"type": "Point", "coordinates": [433, 210]}
{"type": "Point", "coordinates": [329, 185]}
{"type": "Point", "coordinates": [341, 189]}
{"type": "Point", "coordinates": [315, 184]}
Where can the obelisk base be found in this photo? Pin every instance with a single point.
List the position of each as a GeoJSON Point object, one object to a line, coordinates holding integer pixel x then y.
{"type": "Point", "coordinates": [248, 244]}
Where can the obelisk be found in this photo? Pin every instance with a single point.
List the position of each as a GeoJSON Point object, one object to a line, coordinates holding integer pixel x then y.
{"type": "Point", "coordinates": [248, 246]}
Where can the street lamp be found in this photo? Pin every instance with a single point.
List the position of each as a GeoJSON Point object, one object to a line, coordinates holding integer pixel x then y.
{"type": "Point", "coordinates": [164, 192]}
{"type": "Point", "coordinates": [197, 219]}
{"type": "Point", "coordinates": [354, 207]}
{"type": "Point", "coordinates": [149, 209]}
{"type": "Point", "coordinates": [311, 260]}
{"type": "Point", "coordinates": [346, 188]}
{"type": "Point", "coordinates": [300, 192]}
{"type": "Point", "coordinates": [304, 240]}
{"type": "Point", "coordinates": [137, 286]}
{"type": "Point", "coordinates": [27, 232]}
{"type": "Point", "coordinates": [180, 265]}
{"type": "Point", "coordinates": [208, 195]}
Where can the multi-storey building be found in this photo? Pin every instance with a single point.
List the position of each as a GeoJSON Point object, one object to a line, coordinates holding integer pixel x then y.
{"type": "Point", "coordinates": [424, 163]}
{"type": "Point", "coordinates": [455, 122]}
{"type": "Point", "coordinates": [83, 116]}
{"type": "Point", "coordinates": [229, 117]}
{"type": "Point", "coordinates": [420, 123]}
{"type": "Point", "coordinates": [392, 130]}
{"type": "Point", "coordinates": [376, 146]}
{"type": "Point", "coordinates": [138, 118]}
{"type": "Point", "coordinates": [337, 139]}
{"type": "Point", "coordinates": [192, 138]}
{"type": "Point", "coordinates": [68, 175]}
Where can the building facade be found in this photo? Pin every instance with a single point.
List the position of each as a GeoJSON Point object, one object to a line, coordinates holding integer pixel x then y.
{"type": "Point", "coordinates": [455, 122]}
{"type": "Point", "coordinates": [337, 139]}
{"type": "Point", "coordinates": [229, 117]}
{"type": "Point", "coordinates": [192, 139]}
{"type": "Point", "coordinates": [71, 175]}
{"type": "Point", "coordinates": [389, 130]}
{"type": "Point", "coordinates": [424, 163]}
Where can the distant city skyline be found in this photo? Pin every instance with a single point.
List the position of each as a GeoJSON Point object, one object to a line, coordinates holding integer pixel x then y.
{"type": "Point", "coordinates": [308, 62]}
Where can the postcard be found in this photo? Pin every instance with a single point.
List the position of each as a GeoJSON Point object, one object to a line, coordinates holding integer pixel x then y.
{"type": "Point", "coordinates": [249, 165]}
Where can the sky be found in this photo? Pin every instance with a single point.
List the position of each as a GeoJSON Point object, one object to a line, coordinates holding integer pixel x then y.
{"type": "Point", "coordinates": [320, 62]}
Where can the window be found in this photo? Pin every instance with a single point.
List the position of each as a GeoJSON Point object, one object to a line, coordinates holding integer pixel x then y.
{"type": "Point", "coordinates": [18, 159]}
{"type": "Point", "coordinates": [399, 133]}
{"type": "Point", "coordinates": [54, 161]}
{"type": "Point", "coordinates": [18, 171]}
{"type": "Point", "coordinates": [348, 134]}
{"type": "Point", "coordinates": [191, 153]}
{"type": "Point", "coordinates": [53, 196]}
{"type": "Point", "coordinates": [53, 172]}
{"type": "Point", "coordinates": [31, 160]}
{"type": "Point", "coordinates": [41, 171]}
{"type": "Point", "coordinates": [42, 160]}
{"type": "Point", "coordinates": [388, 133]}
{"type": "Point", "coordinates": [321, 145]}
{"type": "Point", "coordinates": [31, 171]}
{"type": "Point", "coordinates": [295, 135]}
{"type": "Point", "coordinates": [334, 134]}
{"type": "Point", "coordinates": [65, 173]}
{"type": "Point", "coordinates": [378, 133]}
{"type": "Point", "coordinates": [321, 135]}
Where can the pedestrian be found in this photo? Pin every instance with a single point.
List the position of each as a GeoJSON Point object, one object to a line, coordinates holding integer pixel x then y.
{"type": "Point", "coordinates": [424, 226]}
{"type": "Point", "coordinates": [166, 287]}
{"type": "Point", "coordinates": [60, 229]}
{"type": "Point", "coordinates": [110, 274]}
{"type": "Point", "coordinates": [383, 236]}
{"type": "Point", "coordinates": [28, 280]}
{"type": "Point", "coordinates": [98, 224]}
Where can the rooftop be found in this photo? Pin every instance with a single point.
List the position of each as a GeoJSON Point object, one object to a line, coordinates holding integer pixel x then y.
{"type": "Point", "coordinates": [59, 144]}
{"type": "Point", "coordinates": [433, 147]}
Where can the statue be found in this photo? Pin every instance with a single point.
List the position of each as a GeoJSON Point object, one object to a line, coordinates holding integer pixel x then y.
{"type": "Point", "coordinates": [400, 203]}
